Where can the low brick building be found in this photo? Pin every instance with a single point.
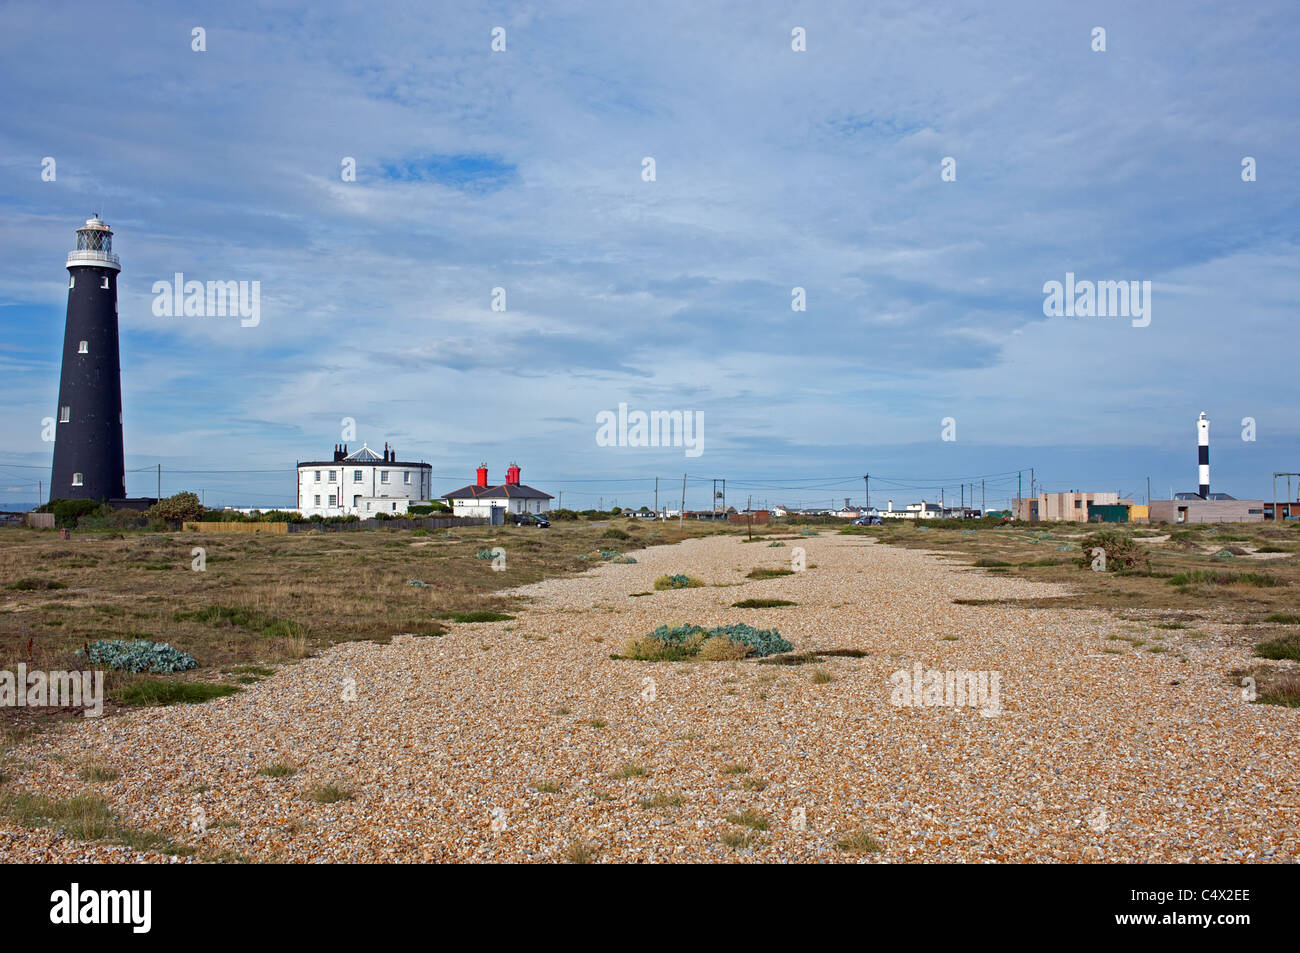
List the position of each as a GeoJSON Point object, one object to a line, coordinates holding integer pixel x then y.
{"type": "Point", "coordinates": [1207, 511]}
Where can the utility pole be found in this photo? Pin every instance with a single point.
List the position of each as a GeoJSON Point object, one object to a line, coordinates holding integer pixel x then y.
{"type": "Point", "coordinates": [160, 481]}
{"type": "Point", "coordinates": [866, 481]}
{"type": "Point", "coordinates": [1019, 500]}
{"type": "Point", "coordinates": [681, 514]}
{"type": "Point", "coordinates": [1032, 492]}
{"type": "Point", "coordinates": [656, 496]}
{"type": "Point", "coordinates": [1148, 491]}
{"type": "Point", "coordinates": [983, 506]}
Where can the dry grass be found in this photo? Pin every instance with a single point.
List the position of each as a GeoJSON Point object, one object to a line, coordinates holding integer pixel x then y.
{"type": "Point", "coordinates": [858, 842]}
{"type": "Point", "coordinates": [329, 793]}
{"type": "Point", "coordinates": [263, 600]}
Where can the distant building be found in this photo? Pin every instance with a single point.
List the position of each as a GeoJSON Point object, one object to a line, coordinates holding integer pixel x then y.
{"type": "Point", "coordinates": [363, 483]}
{"type": "Point", "coordinates": [479, 499]}
{"type": "Point", "coordinates": [1197, 510]}
{"type": "Point", "coordinates": [1069, 507]}
{"type": "Point", "coordinates": [913, 511]}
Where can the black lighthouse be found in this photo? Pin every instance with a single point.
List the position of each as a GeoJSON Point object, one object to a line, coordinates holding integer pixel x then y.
{"type": "Point", "coordinates": [88, 455]}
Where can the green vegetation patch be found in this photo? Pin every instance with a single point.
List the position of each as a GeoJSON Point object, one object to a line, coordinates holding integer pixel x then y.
{"type": "Point", "coordinates": [138, 656]}
{"type": "Point", "coordinates": [243, 618]}
{"type": "Point", "coordinates": [1283, 647]}
{"type": "Point", "coordinates": [762, 603]}
{"type": "Point", "coordinates": [678, 581]}
{"type": "Point", "coordinates": [666, 644]}
{"type": "Point", "coordinates": [33, 584]}
{"type": "Point", "coordinates": [159, 692]}
{"type": "Point", "coordinates": [768, 573]}
{"type": "Point", "coordinates": [1222, 577]}
{"type": "Point", "coordinates": [480, 615]}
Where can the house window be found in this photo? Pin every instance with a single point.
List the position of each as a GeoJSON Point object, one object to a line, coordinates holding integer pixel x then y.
{"type": "Point", "coordinates": [394, 507]}
{"type": "Point", "coordinates": [104, 283]}
{"type": "Point", "coordinates": [1078, 504]}
{"type": "Point", "coordinates": [65, 415]}
{"type": "Point", "coordinates": [83, 347]}
{"type": "Point", "coordinates": [356, 476]}
{"type": "Point", "coordinates": [334, 500]}
{"type": "Point", "coordinates": [367, 506]}
{"type": "Point", "coordinates": [406, 476]}
{"type": "Point", "coordinates": [333, 475]}
{"type": "Point", "coordinates": [383, 476]}
{"type": "Point", "coordinates": [317, 503]}
{"type": "Point", "coordinates": [317, 476]}
{"type": "Point", "coordinates": [77, 480]}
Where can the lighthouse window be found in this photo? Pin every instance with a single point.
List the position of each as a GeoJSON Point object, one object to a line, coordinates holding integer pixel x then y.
{"type": "Point", "coordinates": [83, 347]}
{"type": "Point", "coordinates": [65, 415]}
{"type": "Point", "coordinates": [104, 282]}
{"type": "Point", "coordinates": [72, 281]}
{"type": "Point", "coordinates": [76, 479]}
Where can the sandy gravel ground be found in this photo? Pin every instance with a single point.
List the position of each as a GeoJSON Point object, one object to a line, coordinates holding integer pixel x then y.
{"type": "Point", "coordinates": [1093, 757]}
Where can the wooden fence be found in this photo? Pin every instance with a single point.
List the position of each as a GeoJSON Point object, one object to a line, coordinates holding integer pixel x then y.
{"type": "Point", "coordinates": [200, 526]}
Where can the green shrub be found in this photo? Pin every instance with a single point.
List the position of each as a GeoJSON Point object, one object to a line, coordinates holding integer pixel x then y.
{"type": "Point", "coordinates": [68, 513]}
{"type": "Point", "coordinates": [1123, 554]}
{"type": "Point", "coordinates": [177, 508]}
{"type": "Point", "coordinates": [138, 656]}
{"type": "Point", "coordinates": [1283, 647]}
{"type": "Point", "coordinates": [762, 603]}
{"type": "Point", "coordinates": [686, 641]}
{"type": "Point", "coordinates": [679, 581]}
{"type": "Point", "coordinates": [614, 533]}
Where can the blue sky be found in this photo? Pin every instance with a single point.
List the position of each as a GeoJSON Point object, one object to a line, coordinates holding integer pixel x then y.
{"type": "Point", "coordinates": [522, 170]}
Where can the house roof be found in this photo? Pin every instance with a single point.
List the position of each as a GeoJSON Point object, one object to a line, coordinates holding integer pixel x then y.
{"type": "Point", "coordinates": [517, 491]}
{"type": "Point", "coordinates": [378, 462]}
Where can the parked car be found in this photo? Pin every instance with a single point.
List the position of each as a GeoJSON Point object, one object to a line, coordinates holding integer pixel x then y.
{"type": "Point", "coordinates": [529, 519]}
{"type": "Point", "coordinates": [868, 521]}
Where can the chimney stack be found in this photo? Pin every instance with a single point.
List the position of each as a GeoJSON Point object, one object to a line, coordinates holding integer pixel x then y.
{"type": "Point", "coordinates": [1203, 456]}
{"type": "Point", "coordinates": [482, 476]}
{"type": "Point", "coordinates": [512, 474]}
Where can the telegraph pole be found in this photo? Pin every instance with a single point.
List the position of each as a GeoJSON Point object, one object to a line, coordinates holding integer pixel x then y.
{"type": "Point", "coordinates": [1019, 499]}
{"type": "Point", "coordinates": [681, 514]}
{"type": "Point", "coordinates": [656, 496]}
{"type": "Point", "coordinates": [160, 481]}
{"type": "Point", "coordinates": [983, 506]}
{"type": "Point", "coordinates": [866, 485]}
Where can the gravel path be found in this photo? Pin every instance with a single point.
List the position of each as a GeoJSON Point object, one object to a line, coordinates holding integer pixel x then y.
{"type": "Point", "coordinates": [1093, 755]}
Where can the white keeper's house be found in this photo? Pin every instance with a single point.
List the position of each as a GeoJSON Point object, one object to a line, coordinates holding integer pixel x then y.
{"type": "Point", "coordinates": [479, 499]}
{"type": "Point", "coordinates": [362, 483]}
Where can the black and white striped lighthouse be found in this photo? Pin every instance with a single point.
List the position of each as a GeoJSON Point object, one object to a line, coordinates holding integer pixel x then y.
{"type": "Point", "coordinates": [88, 454]}
{"type": "Point", "coordinates": [1203, 456]}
